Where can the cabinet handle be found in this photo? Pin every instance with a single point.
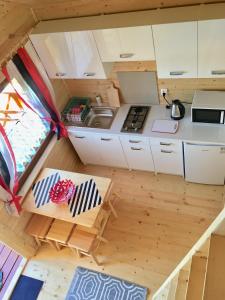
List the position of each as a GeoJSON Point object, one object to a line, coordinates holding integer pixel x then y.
{"type": "Point", "coordinates": [134, 142]}
{"type": "Point", "coordinates": [89, 74]}
{"type": "Point", "coordinates": [126, 55]}
{"type": "Point", "coordinates": [80, 137]}
{"type": "Point", "coordinates": [177, 73]}
{"type": "Point", "coordinates": [60, 74]}
{"type": "Point", "coordinates": [166, 151]}
{"type": "Point", "coordinates": [105, 140]}
{"type": "Point", "coordinates": [165, 144]}
{"type": "Point", "coordinates": [136, 149]}
{"type": "Point", "coordinates": [218, 72]}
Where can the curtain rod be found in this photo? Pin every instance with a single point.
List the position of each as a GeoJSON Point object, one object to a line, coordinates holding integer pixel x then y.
{"type": "Point", "coordinates": [14, 49]}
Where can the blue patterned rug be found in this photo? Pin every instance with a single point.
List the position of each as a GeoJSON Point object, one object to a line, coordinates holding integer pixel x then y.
{"type": "Point", "coordinates": [91, 285]}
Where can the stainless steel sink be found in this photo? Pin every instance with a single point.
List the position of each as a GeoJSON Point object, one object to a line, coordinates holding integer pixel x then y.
{"type": "Point", "coordinates": [100, 117]}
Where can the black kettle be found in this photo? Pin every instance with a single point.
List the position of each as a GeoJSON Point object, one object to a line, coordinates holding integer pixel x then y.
{"type": "Point", "coordinates": [177, 110]}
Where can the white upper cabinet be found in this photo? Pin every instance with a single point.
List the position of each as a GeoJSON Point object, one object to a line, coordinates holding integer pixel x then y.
{"type": "Point", "coordinates": [69, 55]}
{"type": "Point", "coordinates": [87, 62]}
{"type": "Point", "coordinates": [125, 44]}
{"type": "Point", "coordinates": [211, 48]}
{"type": "Point", "coordinates": [56, 53]}
{"type": "Point", "coordinates": [176, 50]}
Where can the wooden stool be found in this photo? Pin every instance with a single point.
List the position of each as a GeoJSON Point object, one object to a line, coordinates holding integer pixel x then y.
{"type": "Point", "coordinates": [38, 227]}
{"type": "Point", "coordinates": [59, 233]}
{"type": "Point", "coordinates": [83, 243]}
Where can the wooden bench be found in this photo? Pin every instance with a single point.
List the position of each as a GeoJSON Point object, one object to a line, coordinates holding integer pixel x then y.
{"type": "Point", "coordinates": [59, 233]}
{"type": "Point", "coordinates": [83, 242]}
{"type": "Point", "coordinates": [38, 227]}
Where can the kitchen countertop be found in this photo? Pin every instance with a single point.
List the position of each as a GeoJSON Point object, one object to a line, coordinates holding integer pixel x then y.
{"type": "Point", "coordinates": [187, 131]}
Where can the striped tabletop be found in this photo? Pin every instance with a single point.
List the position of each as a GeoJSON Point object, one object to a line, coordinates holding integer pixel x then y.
{"type": "Point", "coordinates": [83, 207]}
{"type": "Point", "coordinates": [86, 196]}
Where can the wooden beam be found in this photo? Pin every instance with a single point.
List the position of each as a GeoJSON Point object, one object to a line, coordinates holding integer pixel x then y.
{"type": "Point", "coordinates": [138, 18]}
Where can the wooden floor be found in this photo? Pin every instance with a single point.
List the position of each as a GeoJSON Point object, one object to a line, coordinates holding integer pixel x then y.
{"type": "Point", "coordinates": [160, 218]}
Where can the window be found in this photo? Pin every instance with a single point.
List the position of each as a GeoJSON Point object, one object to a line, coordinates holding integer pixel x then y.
{"type": "Point", "coordinates": [26, 131]}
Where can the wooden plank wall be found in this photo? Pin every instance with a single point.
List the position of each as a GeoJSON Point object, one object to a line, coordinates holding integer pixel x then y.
{"type": "Point", "coordinates": [46, 9]}
{"type": "Point", "coordinates": [178, 88]}
{"type": "Point", "coordinates": [63, 155]}
{"type": "Point", "coordinates": [15, 22]}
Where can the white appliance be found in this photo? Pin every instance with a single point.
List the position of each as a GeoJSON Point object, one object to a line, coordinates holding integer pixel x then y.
{"type": "Point", "coordinates": [208, 107]}
{"type": "Point", "coordinates": [204, 163]}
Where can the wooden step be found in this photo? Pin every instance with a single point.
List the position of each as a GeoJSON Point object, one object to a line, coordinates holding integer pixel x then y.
{"type": "Point", "coordinates": [215, 275]}
{"type": "Point", "coordinates": [173, 288]}
{"type": "Point", "coordinates": [197, 278]}
{"type": "Point", "coordinates": [182, 283]}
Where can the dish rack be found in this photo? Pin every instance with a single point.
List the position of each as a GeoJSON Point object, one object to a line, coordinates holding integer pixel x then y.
{"type": "Point", "coordinates": [76, 110]}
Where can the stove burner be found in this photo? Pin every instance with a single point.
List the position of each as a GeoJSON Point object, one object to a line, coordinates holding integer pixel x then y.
{"type": "Point", "coordinates": [135, 119]}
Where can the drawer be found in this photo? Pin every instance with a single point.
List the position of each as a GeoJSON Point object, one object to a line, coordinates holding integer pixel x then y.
{"type": "Point", "coordinates": [130, 141]}
{"type": "Point", "coordinates": [166, 144]}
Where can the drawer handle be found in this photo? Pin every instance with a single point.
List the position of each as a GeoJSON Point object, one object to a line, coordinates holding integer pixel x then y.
{"type": "Point", "coordinates": [126, 55]}
{"type": "Point", "coordinates": [80, 137]}
{"type": "Point", "coordinates": [89, 74]}
{"type": "Point", "coordinates": [165, 144]}
{"type": "Point", "coordinates": [60, 74]}
{"type": "Point", "coordinates": [218, 72]}
{"type": "Point", "coordinates": [105, 140]}
{"type": "Point", "coordinates": [136, 149]}
{"type": "Point", "coordinates": [177, 73]}
{"type": "Point", "coordinates": [166, 151]}
{"type": "Point", "coordinates": [134, 142]}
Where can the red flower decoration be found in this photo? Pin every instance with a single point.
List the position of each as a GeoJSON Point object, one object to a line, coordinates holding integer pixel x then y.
{"type": "Point", "coordinates": [62, 191]}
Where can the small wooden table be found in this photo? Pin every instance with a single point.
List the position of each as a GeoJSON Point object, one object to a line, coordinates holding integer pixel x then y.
{"type": "Point", "coordinates": [62, 212]}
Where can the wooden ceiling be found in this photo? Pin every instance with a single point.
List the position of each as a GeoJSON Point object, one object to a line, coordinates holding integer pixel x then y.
{"type": "Point", "coordinates": [55, 9]}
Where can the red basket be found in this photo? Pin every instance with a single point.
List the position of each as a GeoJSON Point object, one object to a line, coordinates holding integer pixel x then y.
{"type": "Point", "coordinates": [62, 191]}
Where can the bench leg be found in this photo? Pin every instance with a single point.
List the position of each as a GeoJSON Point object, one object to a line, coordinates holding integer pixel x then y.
{"type": "Point", "coordinates": [102, 239]}
{"type": "Point", "coordinates": [113, 210]}
{"type": "Point", "coordinates": [94, 259]}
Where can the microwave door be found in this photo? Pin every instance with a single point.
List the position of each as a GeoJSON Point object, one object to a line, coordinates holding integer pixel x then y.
{"type": "Point", "coordinates": [208, 115]}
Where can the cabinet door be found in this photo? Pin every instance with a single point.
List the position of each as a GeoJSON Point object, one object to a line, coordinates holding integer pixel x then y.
{"type": "Point", "coordinates": [138, 153]}
{"type": "Point", "coordinates": [86, 147]}
{"type": "Point", "coordinates": [167, 156]}
{"type": "Point", "coordinates": [136, 43]}
{"type": "Point", "coordinates": [211, 48]}
{"type": "Point", "coordinates": [108, 43]}
{"type": "Point", "coordinates": [87, 63]}
{"type": "Point", "coordinates": [56, 54]}
{"type": "Point", "coordinates": [111, 151]}
{"type": "Point", "coordinates": [125, 44]}
{"type": "Point", "coordinates": [176, 50]}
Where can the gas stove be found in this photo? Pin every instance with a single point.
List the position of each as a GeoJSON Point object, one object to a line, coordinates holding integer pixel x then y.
{"type": "Point", "coordinates": [135, 119]}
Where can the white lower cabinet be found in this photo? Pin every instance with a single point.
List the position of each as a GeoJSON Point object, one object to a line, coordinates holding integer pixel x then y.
{"type": "Point", "coordinates": [138, 153]}
{"type": "Point", "coordinates": [110, 150]}
{"type": "Point", "coordinates": [167, 156]}
{"type": "Point", "coordinates": [129, 151]}
{"type": "Point", "coordinates": [98, 149]}
{"type": "Point", "coordinates": [86, 147]}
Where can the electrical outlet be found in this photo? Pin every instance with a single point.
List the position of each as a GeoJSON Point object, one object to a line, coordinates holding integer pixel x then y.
{"type": "Point", "coordinates": [163, 91]}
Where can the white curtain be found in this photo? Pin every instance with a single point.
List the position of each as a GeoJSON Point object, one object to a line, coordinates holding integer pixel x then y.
{"type": "Point", "coordinates": [24, 90]}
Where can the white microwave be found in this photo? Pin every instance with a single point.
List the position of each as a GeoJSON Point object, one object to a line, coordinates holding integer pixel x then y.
{"type": "Point", "coordinates": [208, 107]}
